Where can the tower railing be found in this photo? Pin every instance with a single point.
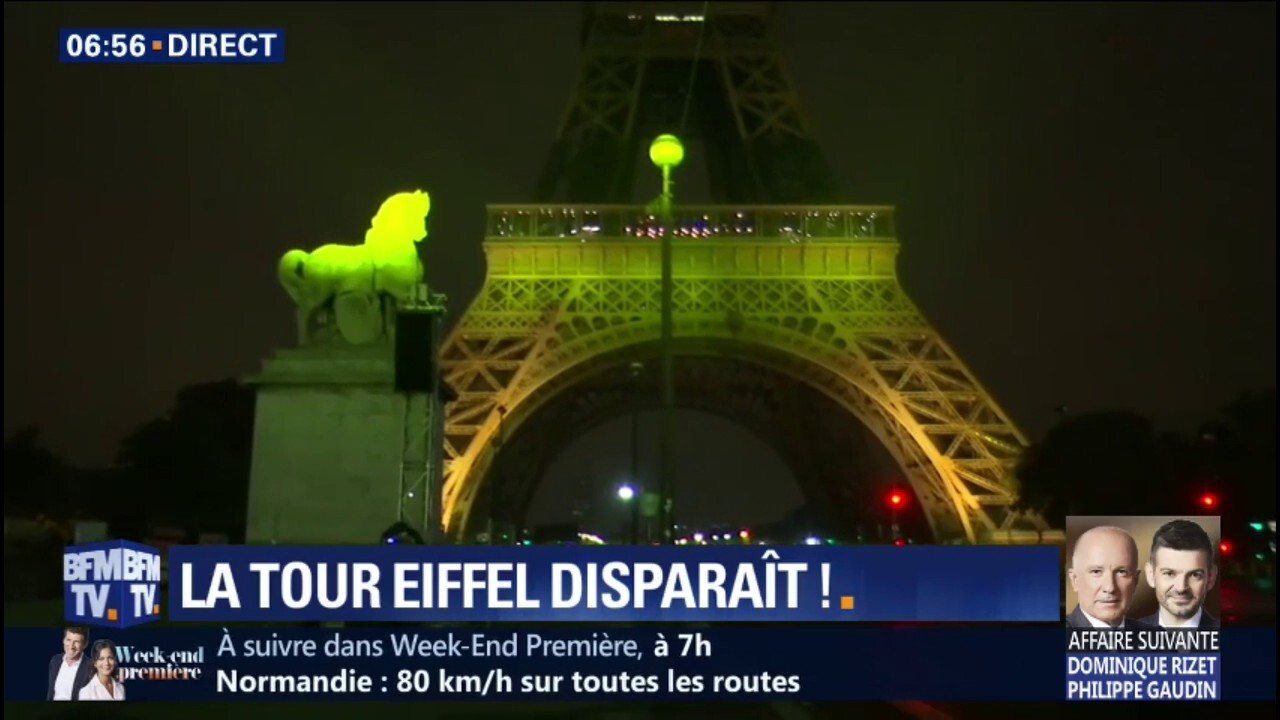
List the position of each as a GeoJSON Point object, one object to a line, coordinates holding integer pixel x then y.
{"type": "Point", "coordinates": [629, 223]}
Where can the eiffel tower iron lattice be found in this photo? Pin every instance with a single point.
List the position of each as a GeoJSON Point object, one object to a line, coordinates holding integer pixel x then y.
{"type": "Point", "coordinates": [650, 68]}
{"type": "Point", "coordinates": [809, 292]}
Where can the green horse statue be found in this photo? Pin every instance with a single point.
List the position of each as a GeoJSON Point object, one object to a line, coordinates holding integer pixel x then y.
{"type": "Point", "coordinates": [358, 278]}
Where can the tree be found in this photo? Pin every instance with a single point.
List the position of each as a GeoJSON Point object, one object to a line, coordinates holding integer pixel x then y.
{"type": "Point", "coordinates": [1105, 463]}
{"type": "Point", "coordinates": [33, 475]}
{"type": "Point", "coordinates": [192, 465]}
{"type": "Point", "coordinates": [1238, 455]}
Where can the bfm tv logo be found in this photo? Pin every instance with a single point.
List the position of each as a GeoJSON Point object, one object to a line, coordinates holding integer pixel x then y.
{"type": "Point", "coordinates": [116, 584]}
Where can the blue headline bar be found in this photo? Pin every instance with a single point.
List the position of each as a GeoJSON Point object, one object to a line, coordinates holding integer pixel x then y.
{"type": "Point", "coordinates": [243, 46]}
{"type": "Point", "coordinates": [625, 584]}
{"type": "Point", "coordinates": [840, 663]}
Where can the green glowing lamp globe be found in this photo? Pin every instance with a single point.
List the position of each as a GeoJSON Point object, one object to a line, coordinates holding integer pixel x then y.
{"type": "Point", "coordinates": [666, 151]}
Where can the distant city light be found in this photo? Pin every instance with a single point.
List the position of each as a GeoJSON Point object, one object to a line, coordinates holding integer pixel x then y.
{"type": "Point", "coordinates": [626, 493]}
{"type": "Point", "coordinates": [812, 541]}
{"type": "Point", "coordinates": [897, 499]}
{"type": "Point", "coordinates": [703, 537]}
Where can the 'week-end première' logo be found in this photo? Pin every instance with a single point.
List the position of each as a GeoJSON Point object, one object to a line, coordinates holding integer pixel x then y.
{"type": "Point", "coordinates": [114, 584]}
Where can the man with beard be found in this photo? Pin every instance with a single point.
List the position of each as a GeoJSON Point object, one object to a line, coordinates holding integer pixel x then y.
{"type": "Point", "coordinates": [1182, 570]}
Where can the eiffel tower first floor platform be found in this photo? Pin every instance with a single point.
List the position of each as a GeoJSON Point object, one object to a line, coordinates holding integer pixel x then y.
{"type": "Point", "coordinates": [807, 296]}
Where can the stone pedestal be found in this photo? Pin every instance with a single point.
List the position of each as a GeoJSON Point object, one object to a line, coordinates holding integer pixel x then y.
{"type": "Point", "coordinates": [336, 450]}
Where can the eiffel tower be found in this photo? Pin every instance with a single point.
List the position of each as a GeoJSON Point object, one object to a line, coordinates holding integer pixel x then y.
{"type": "Point", "coordinates": [788, 313]}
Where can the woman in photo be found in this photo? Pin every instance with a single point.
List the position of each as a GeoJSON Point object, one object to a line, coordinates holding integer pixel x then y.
{"type": "Point", "coordinates": [105, 684]}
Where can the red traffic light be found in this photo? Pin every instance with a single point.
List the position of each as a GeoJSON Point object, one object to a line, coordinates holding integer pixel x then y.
{"type": "Point", "coordinates": [897, 499]}
{"type": "Point", "coordinates": [1209, 500]}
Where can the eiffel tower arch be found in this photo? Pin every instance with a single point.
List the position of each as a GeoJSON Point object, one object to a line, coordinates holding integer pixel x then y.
{"type": "Point", "coordinates": [771, 279]}
{"type": "Point", "coordinates": [827, 449]}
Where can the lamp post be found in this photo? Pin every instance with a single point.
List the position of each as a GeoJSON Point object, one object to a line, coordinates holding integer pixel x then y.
{"type": "Point", "coordinates": [666, 153]}
{"type": "Point", "coordinates": [636, 369]}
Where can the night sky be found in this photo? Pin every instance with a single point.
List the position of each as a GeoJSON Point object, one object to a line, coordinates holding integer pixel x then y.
{"type": "Point", "coordinates": [1086, 195]}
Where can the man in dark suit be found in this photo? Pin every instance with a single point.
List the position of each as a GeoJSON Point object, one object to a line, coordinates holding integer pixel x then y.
{"type": "Point", "coordinates": [1104, 574]}
{"type": "Point", "coordinates": [1182, 569]}
{"type": "Point", "coordinates": [70, 670]}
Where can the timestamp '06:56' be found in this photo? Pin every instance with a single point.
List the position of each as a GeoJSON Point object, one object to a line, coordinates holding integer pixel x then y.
{"type": "Point", "coordinates": [93, 45]}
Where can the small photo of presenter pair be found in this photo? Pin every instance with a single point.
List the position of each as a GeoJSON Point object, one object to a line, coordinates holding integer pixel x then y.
{"type": "Point", "coordinates": [1143, 573]}
{"type": "Point", "coordinates": [85, 669]}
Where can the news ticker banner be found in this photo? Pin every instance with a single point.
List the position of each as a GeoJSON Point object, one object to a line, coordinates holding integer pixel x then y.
{"type": "Point", "coordinates": [594, 584]}
{"type": "Point", "coordinates": [171, 46]}
{"type": "Point", "coordinates": [807, 663]}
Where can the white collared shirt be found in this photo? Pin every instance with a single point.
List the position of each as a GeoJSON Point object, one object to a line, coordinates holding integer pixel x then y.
{"type": "Point", "coordinates": [1191, 624]}
{"type": "Point", "coordinates": [95, 690]}
{"type": "Point", "coordinates": [66, 680]}
{"type": "Point", "coordinates": [1098, 623]}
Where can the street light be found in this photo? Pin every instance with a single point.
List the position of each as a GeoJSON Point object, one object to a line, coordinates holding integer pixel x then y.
{"type": "Point", "coordinates": [666, 153]}
{"type": "Point", "coordinates": [627, 494]}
